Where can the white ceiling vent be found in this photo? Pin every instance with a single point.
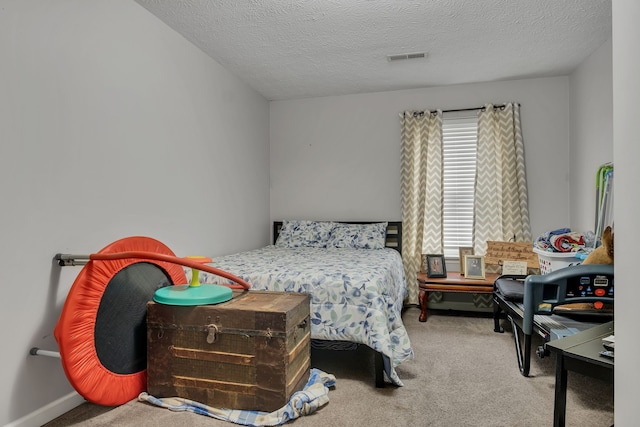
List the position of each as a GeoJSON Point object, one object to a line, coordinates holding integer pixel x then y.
{"type": "Point", "coordinates": [403, 56]}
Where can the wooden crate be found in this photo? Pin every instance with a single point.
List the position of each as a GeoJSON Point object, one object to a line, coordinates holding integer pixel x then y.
{"type": "Point", "coordinates": [252, 352]}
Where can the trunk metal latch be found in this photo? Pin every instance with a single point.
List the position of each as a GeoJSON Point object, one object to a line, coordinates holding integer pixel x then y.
{"type": "Point", "coordinates": [212, 333]}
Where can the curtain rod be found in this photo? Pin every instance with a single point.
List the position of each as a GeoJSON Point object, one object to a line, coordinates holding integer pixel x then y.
{"type": "Point", "coordinates": [471, 109]}
{"type": "Point", "coordinates": [502, 106]}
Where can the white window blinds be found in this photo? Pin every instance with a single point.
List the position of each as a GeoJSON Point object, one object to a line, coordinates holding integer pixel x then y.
{"type": "Point", "coordinates": [460, 136]}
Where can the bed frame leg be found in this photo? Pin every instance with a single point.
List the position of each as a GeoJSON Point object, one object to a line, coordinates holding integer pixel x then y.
{"type": "Point", "coordinates": [379, 369]}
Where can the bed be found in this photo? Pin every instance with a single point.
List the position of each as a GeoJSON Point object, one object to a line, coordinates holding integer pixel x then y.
{"type": "Point", "coordinates": [354, 275]}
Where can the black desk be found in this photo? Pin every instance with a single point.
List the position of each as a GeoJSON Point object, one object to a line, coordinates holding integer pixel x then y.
{"type": "Point", "coordinates": [579, 353]}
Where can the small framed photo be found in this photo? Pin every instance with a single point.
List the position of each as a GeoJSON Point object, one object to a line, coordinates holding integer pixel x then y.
{"type": "Point", "coordinates": [464, 251]}
{"type": "Point", "coordinates": [474, 267]}
{"type": "Point", "coordinates": [436, 266]}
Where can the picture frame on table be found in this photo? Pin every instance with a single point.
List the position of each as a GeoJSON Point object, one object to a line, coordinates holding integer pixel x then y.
{"type": "Point", "coordinates": [464, 251]}
{"type": "Point", "coordinates": [474, 267]}
{"type": "Point", "coordinates": [436, 266]}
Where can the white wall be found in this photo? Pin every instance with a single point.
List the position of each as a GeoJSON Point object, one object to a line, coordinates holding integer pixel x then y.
{"type": "Point", "coordinates": [626, 152]}
{"type": "Point", "coordinates": [111, 125]}
{"type": "Point", "coordinates": [339, 157]}
{"type": "Point", "coordinates": [591, 142]}
{"type": "Point", "coordinates": [608, 81]}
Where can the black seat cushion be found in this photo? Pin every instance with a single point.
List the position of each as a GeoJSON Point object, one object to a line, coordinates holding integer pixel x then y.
{"type": "Point", "coordinates": [511, 289]}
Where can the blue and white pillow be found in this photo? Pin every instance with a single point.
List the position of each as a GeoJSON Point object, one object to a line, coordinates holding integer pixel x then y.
{"type": "Point", "coordinates": [301, 233]}
{"type": "Point", "coordinates": [358, 236]}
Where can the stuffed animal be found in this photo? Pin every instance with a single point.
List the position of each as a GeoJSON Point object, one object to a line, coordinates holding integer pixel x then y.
{"type": "Point", "coordinates": [604, 253]}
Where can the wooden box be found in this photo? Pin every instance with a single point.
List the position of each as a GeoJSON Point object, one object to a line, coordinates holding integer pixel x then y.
{"type": "Point", "coordinates": [252, 352]}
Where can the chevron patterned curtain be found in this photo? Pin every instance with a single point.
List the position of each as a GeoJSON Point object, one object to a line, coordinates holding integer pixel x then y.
{"type": "Point", "coordinates": [501, 202]}
{"type": "Point", "coordinates": [421, 191]}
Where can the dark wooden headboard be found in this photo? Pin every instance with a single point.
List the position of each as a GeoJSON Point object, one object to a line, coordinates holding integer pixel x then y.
{"type": "Point", "coordinates": [393, 239]}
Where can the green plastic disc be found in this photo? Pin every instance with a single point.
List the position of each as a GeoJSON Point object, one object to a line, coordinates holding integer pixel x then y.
{"type": "Point", "coordinates": [204, 294]}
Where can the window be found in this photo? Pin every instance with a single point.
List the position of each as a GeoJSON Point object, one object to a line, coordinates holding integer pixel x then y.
{"type": "Point", "coordinates": [460, 136]}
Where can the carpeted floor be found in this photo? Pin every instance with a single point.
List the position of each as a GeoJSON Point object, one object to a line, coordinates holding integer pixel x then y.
{"type": "Point", "coordinates": [463, 374]}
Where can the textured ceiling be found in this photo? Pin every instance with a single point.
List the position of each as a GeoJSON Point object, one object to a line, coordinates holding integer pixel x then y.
{"type": "Point", "coordinates": [309, 48]}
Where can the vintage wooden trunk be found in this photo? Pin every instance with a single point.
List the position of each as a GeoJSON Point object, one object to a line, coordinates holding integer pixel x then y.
{"type": "Point", "coordinates": [252, 352]}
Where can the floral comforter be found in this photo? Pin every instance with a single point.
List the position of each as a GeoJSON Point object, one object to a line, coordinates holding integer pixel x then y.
{"type": "Point", "coordinates": [356, 294]}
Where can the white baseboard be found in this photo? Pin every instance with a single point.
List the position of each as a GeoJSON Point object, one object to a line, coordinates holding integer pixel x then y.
{"type": "Point", "coordinates": [49, 412]}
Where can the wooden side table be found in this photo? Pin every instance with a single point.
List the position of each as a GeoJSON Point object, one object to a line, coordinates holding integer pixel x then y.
{"type": "Point", "coordinates": [454, 282]}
